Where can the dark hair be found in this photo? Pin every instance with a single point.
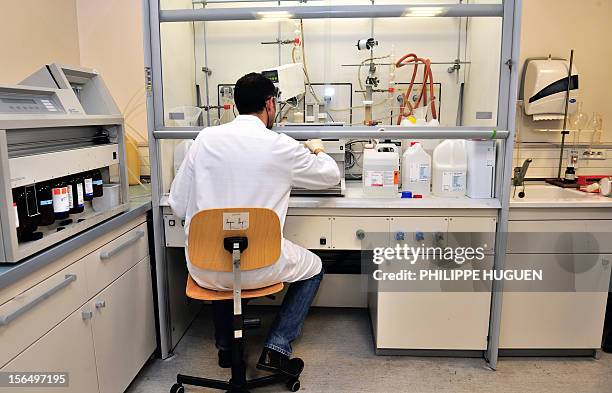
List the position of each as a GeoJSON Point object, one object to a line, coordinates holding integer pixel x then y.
{"type": "Point", "coordinates": [251, 93]}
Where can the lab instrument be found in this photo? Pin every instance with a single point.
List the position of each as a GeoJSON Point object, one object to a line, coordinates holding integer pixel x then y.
{"type": "Point", "coordinates": [288, 79]}
{"type": "Point", "coordinates": [61, 139]}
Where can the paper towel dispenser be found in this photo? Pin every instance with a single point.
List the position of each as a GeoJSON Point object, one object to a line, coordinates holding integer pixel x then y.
{"type": "Point", "coordinates": [545, 88]}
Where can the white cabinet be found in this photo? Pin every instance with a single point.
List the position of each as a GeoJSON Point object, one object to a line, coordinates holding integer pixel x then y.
{"type": "Point", "coordinates": [357, 233]}
{"type": "Point", "coordinates": [123, 328]}
{"type": "Point", "coordinates": [68, 347]}
{"type": "Point", "coordinates": [29, 315]}
{"type": "Point", "coordinates": [566, 310]}
{"type": "Point", "coordinates": [310, 232]}
{"type": "Point", "coordinates": [93, 319]}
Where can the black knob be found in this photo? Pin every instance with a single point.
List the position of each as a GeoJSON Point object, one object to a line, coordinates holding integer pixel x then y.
{"type": "Point", "coordinates": [322, 241]}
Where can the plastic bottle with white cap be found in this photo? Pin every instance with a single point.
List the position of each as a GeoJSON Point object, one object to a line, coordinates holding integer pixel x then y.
{"type": "Point", "coordinates": [416, 170]}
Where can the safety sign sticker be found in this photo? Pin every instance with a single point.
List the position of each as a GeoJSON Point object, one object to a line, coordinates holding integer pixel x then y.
{"type": "Point", "coordinates": [237, 221]}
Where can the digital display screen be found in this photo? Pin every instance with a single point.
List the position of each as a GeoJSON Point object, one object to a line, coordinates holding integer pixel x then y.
{"type": "Point", "coordinates": [272, 75]}
{"type": "Point", "coordinates": [18, 101]}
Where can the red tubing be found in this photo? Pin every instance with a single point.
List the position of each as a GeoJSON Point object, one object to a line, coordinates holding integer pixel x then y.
{"type": "Point", "coordinates": [427, 78]}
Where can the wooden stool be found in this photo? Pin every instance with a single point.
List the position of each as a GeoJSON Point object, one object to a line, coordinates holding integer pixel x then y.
{"type": "Point", "coordinates": [233, 240]}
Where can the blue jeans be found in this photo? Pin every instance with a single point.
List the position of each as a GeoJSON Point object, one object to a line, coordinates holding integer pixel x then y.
{"type": "Point", "coordinates": [286, 326]}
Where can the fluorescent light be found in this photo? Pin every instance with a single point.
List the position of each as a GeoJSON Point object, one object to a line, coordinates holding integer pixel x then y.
{"type": "Point", "coordinates": [274, 15]}
{"type": "Point", "coordinates": [423, 12]}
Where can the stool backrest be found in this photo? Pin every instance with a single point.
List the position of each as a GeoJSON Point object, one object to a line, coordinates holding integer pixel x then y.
{"type": "Point", "coordinates": [208, 228]}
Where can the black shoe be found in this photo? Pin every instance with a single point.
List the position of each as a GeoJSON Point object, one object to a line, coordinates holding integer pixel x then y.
{"type": "Point", "coordinates": [271, 360]}
{"type": "Point", "coordinates": [225, 359]}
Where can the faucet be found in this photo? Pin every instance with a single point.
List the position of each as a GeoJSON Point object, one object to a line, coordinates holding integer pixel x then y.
{"type": "Point", "coordinates": [520, 172]}
{"type": "Point", "coordinates": [519, 177]}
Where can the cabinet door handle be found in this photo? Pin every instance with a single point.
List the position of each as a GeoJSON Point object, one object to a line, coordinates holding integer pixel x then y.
{"type": "Point", "coordinates": [360, 234]}
{"type": "Point", "coordinates": [6, 319]}
{"type": "Point", "coordinates": [104, 255]}
{"type": "Point", "coordinates": [100, 304]}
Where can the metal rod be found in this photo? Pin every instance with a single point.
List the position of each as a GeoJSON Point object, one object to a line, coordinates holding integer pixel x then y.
{"type": "Point", "coordinates": [332, 11]}
{"type": "Point", "coordinates": [362, 132]}
{"type": "Point", "coordinates": [412, 62]}
{"type": "Point", "coordinates": [243, 1]}
{"type": "Point", "coordinates": [564, 131]}
{"type": "Point", "coordinates": [509, 81]}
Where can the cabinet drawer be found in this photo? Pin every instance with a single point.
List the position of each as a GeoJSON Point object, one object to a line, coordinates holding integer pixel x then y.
{"type": "Point", "coordinates": [472, 232]}
{"type": "Point", "coordinates": [66, 348]}
{"type": "Point", "coordinates": [28, 316]}
{"type": "Point", "coordinates": [124, 328]}
{"type": "Point", "coordinates": [309, 232]}
{"type": "Point", "coordinates": [352, 233]}
{"type": "Point", "coordinates": [106, 264]}
{"type": "Point", "coordinates": [560, 236]}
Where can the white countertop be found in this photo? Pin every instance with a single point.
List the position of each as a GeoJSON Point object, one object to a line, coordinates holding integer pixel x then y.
{"type": "Point", "coordinates": [542, 195]}
{"type": "Point", "coordinates": [355, 199]}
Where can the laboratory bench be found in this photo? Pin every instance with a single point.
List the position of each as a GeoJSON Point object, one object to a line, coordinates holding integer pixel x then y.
{"type": "Point", "coordinates": [561, 228]}
{"type": "Point", "coordinates": [342, 225]}
{"type": "Point", "coordinates": [84, 306]}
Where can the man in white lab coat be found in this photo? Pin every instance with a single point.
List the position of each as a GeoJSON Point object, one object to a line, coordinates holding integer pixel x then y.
{"type": "Point", "coordinates": [245, 164]}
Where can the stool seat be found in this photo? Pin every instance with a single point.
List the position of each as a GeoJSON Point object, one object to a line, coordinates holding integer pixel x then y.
{"type": "Point", "coordinates": [195, 291]}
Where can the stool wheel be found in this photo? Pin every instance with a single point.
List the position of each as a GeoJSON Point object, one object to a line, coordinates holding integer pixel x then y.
{"type": "Point", "coordinates": [293, 385]}
{"type": "Point", "coordinates": [177, 388]}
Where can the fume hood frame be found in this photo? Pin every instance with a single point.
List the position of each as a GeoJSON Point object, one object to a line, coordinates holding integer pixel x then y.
{"type": "Point", "coordinates": [509, 12]}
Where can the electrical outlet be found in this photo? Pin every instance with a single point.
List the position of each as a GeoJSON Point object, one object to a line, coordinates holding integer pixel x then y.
{"type": "Point", "coordinates": [593, 154]}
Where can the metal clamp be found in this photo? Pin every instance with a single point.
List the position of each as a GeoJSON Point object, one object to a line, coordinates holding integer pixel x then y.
{"type": "Point", "coordinates": [86, 315]}
{"type": "Point", "coordinates": [109, 254]}
{"type": "Point", "coordinates": [100, 304]}
{"type": "Point", "coordinates": [6, 319]}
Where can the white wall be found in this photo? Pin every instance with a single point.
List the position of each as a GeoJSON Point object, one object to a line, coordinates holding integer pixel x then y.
{"type": "Point", "coordinates": [234, 49]}
{"type": "Point", "coordinates": [554, 27]}
{"type": "Point", "coordinates": [34, 33]}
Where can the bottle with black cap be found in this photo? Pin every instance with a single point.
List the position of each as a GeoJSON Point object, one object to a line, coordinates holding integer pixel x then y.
{"type": "Point", "coordinates": [61, 203]}
{"type": "Point", "coordinates": [44, 195]}
{"type": "Point", "coordinates": [76, 187]}
{"type": "Point", "coordinates": [98, 189]}
{"type": "Point", "coordinates": [88, 186]}
{"type": "Point", "coordinates": [27, 213]}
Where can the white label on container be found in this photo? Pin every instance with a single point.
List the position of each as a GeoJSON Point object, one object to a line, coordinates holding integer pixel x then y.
{"type": "Point", "coordinates": [424, 173]}
{"type": "Point", "coordinates": [45, 202]}
{"type": "Point", "coordinates": [458, 181]}
{"type": "Point", "coordinates": [453, 181]}
{"type": "Point", "coordinates": [381, 178]}
{"type": "Point", "coordinates": [60, 200]}
{"type": "Point", "coordinates": [16, 215]}
{"type": "Point", "coordinates": [98, 182]}
{"type": "Point", "coordinates": [235, 221]}
{"type": "Point", "coordinates": [70, 200]}
{"type": "Point", "coordinates": [413, 172]}
{"type": "Point", "coordinates": [446, 180]}
{"type": "Point", "coordinates": [89, 187]}
{"type": "Point", "coordinates": [80, 199]}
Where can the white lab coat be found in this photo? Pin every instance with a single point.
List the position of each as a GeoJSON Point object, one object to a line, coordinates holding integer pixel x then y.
{"type": "Point", "coordinates": [243, 164]}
